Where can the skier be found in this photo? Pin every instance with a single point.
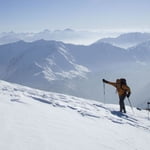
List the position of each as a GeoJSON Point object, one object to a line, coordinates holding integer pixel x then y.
{"type": "Point", "coordinates": [123, 91]}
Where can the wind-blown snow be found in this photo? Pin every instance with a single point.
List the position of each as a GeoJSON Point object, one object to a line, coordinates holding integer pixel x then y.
{"type": "Point", "coordinates": [33, 119]}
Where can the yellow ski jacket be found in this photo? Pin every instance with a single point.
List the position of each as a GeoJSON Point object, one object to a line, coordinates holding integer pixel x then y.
{"type": "Point", "coordinates": [121, 89]}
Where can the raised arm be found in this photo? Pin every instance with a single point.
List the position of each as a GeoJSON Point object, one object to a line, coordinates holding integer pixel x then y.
{"type": "Point", "coordinates": [111, 83]}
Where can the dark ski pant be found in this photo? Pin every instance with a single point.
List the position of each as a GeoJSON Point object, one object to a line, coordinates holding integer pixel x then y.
{"type": "Point", "coordinates": [121, 103]}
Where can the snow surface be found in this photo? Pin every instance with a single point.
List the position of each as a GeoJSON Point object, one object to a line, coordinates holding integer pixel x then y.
{"type": "Point", "coordinates": [31, 119]}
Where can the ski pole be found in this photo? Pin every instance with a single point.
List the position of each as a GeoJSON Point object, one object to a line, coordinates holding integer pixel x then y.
{"type": "Point", "coordinates": [148, 103]}
{"type": "Point", "coordinates": [130, 105]}
{"type": "Point", "coordinates": [104, 92]}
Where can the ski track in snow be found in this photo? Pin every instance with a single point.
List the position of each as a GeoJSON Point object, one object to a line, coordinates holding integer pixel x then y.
{"type": "Point", "coordinates": [86, 108]}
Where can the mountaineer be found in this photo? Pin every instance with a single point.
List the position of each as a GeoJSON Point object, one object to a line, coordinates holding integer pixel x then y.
{"type": "Point", "coordinates": [123, 91]}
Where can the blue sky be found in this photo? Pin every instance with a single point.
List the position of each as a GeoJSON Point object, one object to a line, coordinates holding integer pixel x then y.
{"type": "Point", "coordinates": [37, 15]}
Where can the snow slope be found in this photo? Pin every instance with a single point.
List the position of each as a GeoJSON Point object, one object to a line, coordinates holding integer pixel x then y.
{"type": "Point", "coordinates": [31, 119]}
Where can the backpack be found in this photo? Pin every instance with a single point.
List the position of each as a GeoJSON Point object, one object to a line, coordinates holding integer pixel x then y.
{"type": "Point", "coordinates": [123, 81]}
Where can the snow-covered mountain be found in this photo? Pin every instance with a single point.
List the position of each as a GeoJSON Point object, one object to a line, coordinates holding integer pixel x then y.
{"type": "Point", "coordinates": [99, 55]}
{"type": "Point", "coordinates": [67, 35]}
{"type": "Point", "coordinates": [24, 62]}
{"type": "Point", "coordinates": [28, 62]}
{"type": "Point", "coordinates": [73, 69]}
{"type": "Point", "coordinates": [128, 39]}
{"type": "Point", "coordinates": [141, 52]}
{"type": "Point", "coordinates": [57, 66]}
{"type": "Point", "coordinates": [34, 119]}
{"type": "Point", "coordinates": [123, 40]}
{"type": "Point", "coordinates": [41, 64]}
{"type": "Point", "coordinates": [11, 37]}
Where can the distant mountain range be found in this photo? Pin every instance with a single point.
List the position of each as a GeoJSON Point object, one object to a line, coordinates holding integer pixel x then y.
{"type": "Point", "coordinates": [78, 37]}
{"type": "Point", "coordinates": [73, 69]}
{"type": "Point", "coordinates": [67, 35]}
{"type": "Point", "coordinates": [127, 40]}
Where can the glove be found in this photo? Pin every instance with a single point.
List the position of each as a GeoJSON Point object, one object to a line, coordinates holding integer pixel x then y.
{"type": "Point", "coordinates": [128, 95]}
{"type": "Point", "coordinates": [105, 81]}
